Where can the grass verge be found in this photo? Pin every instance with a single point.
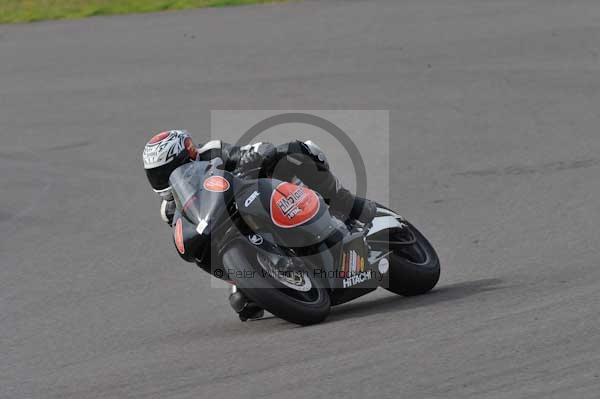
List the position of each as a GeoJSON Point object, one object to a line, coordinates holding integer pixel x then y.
{"type": "Point", "coordinates": [15, 11]}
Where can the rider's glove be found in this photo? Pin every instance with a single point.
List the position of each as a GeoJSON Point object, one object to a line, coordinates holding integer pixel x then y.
{"type": "Point", "coordinates": [167, 210]}
{"type": "Point", "coordinates": [250, 160]}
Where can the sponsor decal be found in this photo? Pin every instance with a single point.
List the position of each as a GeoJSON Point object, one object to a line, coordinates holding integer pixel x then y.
{"type": "Point", "coordinates": [293, 205]}
{"type": "Point", "coordinates": [354, 269]}
{"type": "Point", "coordinates": [358, 278]}
{"type": "Point", "coordinates": [179, 237]}
{"type": "Point", "coordinates": [352, 263]}
{"type": "Point", "coordinates": [216, 184]}
{"type": "Point", "coordinates": [256, 239]}
{"type": "Point", "coordinates": [251, 198]}
{"type": "Point", "coordinates": [383, 266]}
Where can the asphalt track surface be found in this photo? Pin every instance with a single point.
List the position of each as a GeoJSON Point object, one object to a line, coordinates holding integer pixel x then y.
{"type": "Point", "coordinates": [494, 112]}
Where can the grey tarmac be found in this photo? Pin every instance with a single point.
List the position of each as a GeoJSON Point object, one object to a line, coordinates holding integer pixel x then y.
{"type": "Point", "coordinates": [494, 113]}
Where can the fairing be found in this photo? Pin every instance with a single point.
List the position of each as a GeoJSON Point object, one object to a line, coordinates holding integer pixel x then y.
{"type": "Point", "coordinates": [255, 201]}
{"type": "Point", "coordinates": [201, 208]}
{"type": "Point", "coordinates": [214, 207]}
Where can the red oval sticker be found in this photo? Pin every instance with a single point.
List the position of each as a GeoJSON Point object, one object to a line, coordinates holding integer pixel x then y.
{"type": "Point", "coordinates": [216, 184]}
{"type": "Point", "coordinates": [293, 205]}
{"type": "Point", "coordinates": [179, 237]}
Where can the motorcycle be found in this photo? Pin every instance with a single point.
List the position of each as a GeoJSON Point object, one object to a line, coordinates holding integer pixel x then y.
{"type": "Point", "coordinates": [281, 245]}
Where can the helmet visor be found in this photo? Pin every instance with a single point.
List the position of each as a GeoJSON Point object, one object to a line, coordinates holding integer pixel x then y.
{"type": "Point", "coordinates": [159, 177]}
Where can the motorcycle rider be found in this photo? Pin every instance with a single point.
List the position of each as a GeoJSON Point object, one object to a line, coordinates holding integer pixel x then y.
{"type": "Point", "coordinates": [168, 150]}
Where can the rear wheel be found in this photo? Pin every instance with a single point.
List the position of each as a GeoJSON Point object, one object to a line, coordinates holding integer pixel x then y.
{"type": "Point", "coordinates": [297, 297]}
{"type": "Point", "coordinates": [415, 266]}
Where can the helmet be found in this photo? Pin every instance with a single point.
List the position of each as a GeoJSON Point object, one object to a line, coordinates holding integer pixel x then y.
{"type": "Point", "coordinates": [164, 153]}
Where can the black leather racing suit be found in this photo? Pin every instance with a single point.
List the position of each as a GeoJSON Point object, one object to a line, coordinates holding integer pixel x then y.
{"type": "Point", "coordinates": [304, 160]}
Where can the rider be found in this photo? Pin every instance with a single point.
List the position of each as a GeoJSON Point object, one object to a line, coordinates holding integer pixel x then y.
{"type": "Point", "coordinates": [168, 150]}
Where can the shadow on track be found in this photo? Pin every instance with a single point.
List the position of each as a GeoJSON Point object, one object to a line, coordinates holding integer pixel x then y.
{"type": "Point", "coordinates": [231, 327]}
{"type": "Point", "coordinates": [395, 303]}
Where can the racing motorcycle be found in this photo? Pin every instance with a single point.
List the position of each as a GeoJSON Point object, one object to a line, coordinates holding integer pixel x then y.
{"type": "Point", "coordinates": [282, 246]}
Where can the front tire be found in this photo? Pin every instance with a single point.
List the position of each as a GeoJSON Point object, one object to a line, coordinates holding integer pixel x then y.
{"type": "Point", "coordinates": [304, 308]}
{"type": "Point", "coordinates": [415, 266]}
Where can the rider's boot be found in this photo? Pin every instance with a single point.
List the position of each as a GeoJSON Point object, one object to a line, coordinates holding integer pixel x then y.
{"type": "Point", "coordinates": [244, 307]}
{"type": "Point", "coordinates": [360, 209]}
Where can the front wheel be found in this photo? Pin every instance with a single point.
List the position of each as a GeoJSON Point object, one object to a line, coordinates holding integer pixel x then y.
{"type": "Point", "coordinates": [415, 266]}
{"type": "Point", "coordinates": [296, 297]}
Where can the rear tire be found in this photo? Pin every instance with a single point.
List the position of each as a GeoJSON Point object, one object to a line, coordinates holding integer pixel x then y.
{"type": "Point", "coordinates": [240, 260]}
{"type": "Point", "coordinates": [414, 269]}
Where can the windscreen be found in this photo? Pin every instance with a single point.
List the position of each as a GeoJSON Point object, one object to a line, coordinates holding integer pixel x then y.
{"type": "Point", "coordinates": [202, 191]}
{"type": "Point", "coordinates": [186, 183]}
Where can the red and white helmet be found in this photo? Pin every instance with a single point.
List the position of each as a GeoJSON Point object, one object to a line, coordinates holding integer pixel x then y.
{"type": "Point", "coordinates": [164, 153]}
